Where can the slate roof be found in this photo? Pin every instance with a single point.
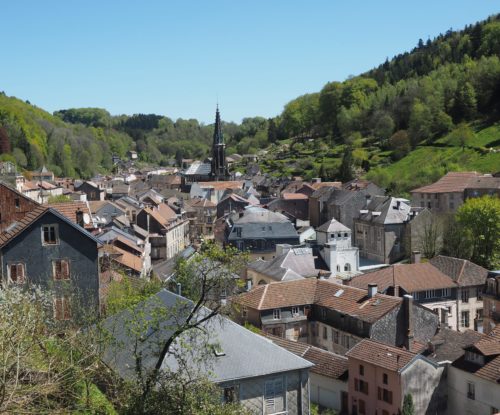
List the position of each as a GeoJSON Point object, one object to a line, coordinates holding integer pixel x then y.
{"type": "Point", "coordinates": [299, 261]}
{"type": "Point", "coordinates": [255, 214]}
{"type": "Point", "coordinates": [241, 348]}
{"type": "Point", "coordinates": [325, 363]}
{"type": "Point", "coordinates": [450, 182]}
{"type": "Point", "coordinates": [269, 230]}
{"type": "Point", "coordinates": [200, 203]}
{"type": "Point", "coordinates": [342, 298]}
{"type": "Point", "coordinates": [462, 271]}
{"type": "Point", "coordinates": [381, 355]}
{"type": "Point", "coordinates": [389, 213]}
{"type": "Point", "coordinates": [199, 169]}
{"type": "Point", "coordinates": [411, 277]}
{"type": "Point", "coordinates": [333, 226]}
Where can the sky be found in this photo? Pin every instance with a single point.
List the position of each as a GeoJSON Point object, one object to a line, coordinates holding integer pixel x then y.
{"type": "Point", "coordinates": [178, 58]}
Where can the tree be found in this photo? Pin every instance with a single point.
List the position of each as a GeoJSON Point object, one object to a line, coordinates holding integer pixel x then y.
{"type": "Point", "coordinates": [345, 170]}
{"type": "Point", "coordinates": [480, 217]}
{"type": "Point", "coordinates": [384, 127]}
{"type": "Point", "coordinates": [408, 406]}
{"type": "Point", "coordinates": [399, 143]}
{"type": "Point", "coordinates": [272, 133]}
{"type": "Point", "coordinates": [420, 123]}
{"type": "Point", "coordinates": [430, 237]}
{"type": "Point", "coordinates": [456, 239]}
{"type": "Point", "coordinates": [462, 135]}
{"type": "Point", "coordinates": [156, 389]}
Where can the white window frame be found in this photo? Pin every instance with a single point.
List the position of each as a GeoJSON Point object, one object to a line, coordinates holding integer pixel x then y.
{"type": "Point", "coordinates": [277, 314]}
{"type": "Point", "coordinates": [23, 265]}
{"type": "Point", "coordinates": [295, 311]}
{"type": "Point", "coordinates": [56, 234]}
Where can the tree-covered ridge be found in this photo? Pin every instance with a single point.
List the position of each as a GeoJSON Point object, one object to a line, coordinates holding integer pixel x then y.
{"type": "Point", "coordinates": [450, 85]}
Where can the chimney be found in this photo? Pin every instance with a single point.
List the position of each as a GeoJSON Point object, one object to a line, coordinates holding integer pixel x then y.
{"type": "Point", "coordinates": [316, 179]}
{"type": "Point", "coordinates": [415, 257]}
{"type": "Point", "coordinates": [79, 218]}
{"type": "Point", "coordinates": [282, 249]}
{"type": "Point", "coordinates": [179, 288]}
{"type": "Point", "coordinates": [372, 290]}
{"type": "Point", "coordinates": [398, 204]}
{"type": "Point", "coordinates": [368, 199]}
{"type": "Point", "coordinates": [330, 256]}
{"type": "Point", "coordinates": [408, 310]}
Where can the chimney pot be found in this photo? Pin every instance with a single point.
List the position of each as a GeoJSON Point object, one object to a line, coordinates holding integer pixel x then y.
{"type": "Point", "coordinates": [372, 290]}
{"type": "Point", "coordinates": [415, 257]}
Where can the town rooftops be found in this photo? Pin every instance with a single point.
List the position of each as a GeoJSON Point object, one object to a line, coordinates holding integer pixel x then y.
{"type": "Point", "coordinates": [255, 214]}
{"type": "Point", "coordinates": [411, 277]}
{"type": "Point", "coordinates": [222, 185]}
{"type": "Point", "coordinates": [200, 203]}
{"type": "Point", "coordinates": [341, 298]}
{"type": "Point", "coordinates": [450, 182]}
{"type": "Point", "coordinates": [198, 169]}
{"type": "Point", "coordinates": [462, 271]}
{"type": "Point", "coordinates": [448, 345]}
{"type": "Point", "coordinates": [386, 210]}
{"type": "Point", "coordinates": [69, 210]}
{"type": "Point", "coordinates": [294, 196]}
{"type": "Point", "coordinates": [381, 355]}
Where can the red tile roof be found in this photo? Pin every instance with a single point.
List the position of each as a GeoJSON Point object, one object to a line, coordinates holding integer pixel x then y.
{"type": "Point", "coordinates": [20, 226]}
{"type": "Point", "coordinates": [410, 277]}
{"type": "Point", "coordinates": [342, 298]}
{"type": "Point", "coordinates": [450, 182]}
{"type": "Point", "coordinates": [380, 354]}
{"type": "Point", "coordinates": [294, 196]}
{"type": "Point", "coordinates": [69, 209]}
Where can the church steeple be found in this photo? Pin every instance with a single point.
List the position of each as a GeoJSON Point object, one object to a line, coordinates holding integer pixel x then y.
{"type": "Point", "coordinates": [219, 166]}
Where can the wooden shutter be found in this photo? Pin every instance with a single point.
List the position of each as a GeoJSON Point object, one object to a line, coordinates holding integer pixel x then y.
{"type": "Point", "coordinates": [20, 273]}
{"type": "Point", "coordinates": [13, 273]}
{"type": "Point", "coordinates": [66, 309]}
{"type": "Point", "coordinates": [57, 270]}
{"type": "Point", "coordinates": [65, 269]}
{"type": "Point", "coordinates": [58, 308]}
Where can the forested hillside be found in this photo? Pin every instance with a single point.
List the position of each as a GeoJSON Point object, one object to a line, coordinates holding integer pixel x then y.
{"type": "Point", "coordinates": [439, 103]}
{"type": "Point", "coordinates": [431, 104]}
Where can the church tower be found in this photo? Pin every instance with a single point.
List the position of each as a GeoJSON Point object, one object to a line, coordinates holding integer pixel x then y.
{"type": "Point", "coordinates": [219, 169]}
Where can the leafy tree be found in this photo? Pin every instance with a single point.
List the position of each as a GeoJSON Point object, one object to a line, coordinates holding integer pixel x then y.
{"type": "Point", "coordinates": [384, 128]}
{"type": "Point", "coordinates": [408, 406]}
{"type": "Point", "coordinates": [399, 143]}
{"type": "Point", "coordinates": [272, 133]}
{"type": "Point", "coordinates": [462, 135]}
{"type": "Point", "coordinates": [420, 123]}
{"type": "Point", "coordinates": [480, 217]}
{"type": "Point", "coordinates": [345, 171]}
{"type": "Point", "coordinates": [430, 237]}
{"type": "Point", "coordinates": [465, 103]}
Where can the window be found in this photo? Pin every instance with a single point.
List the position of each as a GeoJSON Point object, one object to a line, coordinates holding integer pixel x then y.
{"type": "Point", "coordinates": [277, 314]}
{"type": "Point", "coordinates": [60, 269]}
{"type": "Point", "coordinates": [62, 309]}
{"type": "Point", "coordinates": [295, 311]}
{"type": "Point", "coordinates": [325, 333]}
{"type": "Point", "coordinates": [384, 395]}
{"type": "Point", "coordinates": [347, 267]}
{"type": "Point", "coordinates": [479, 314]}
{"type": "Point", "coordinates": [494, 410]}
{"type": "Point", "coordinates": [244, 312]}
{"type": "Point", "coordinates": [446, 292]}
{"type": "Point", "coordinates": [17, 203]}
{"type": "Point", "coordinates": [274, 396]}
{"type": "Point", "coordinates": [362, 386]}
{"type": "Point", "coordinates": [479, 293]}
{"type": "Point", "coordinates": [471, 390]}
{"type": "Point", "coordinates": [231, 394]}
{"type": "Point", "coordinates": [465, 295]}
{"type": "Point", "coordinates": [17, 273]}
{"type": "Point", "coordinates": [49, 234]}
{"type": "Point", "coordinates": [465, 319]}
{"type": "Point", "coordinates": [361, 370]}
{"type": "Point", "coordinates": [385, 378]}
{"type": "Point", "coordinates": [323, 313]}
{"type": "Point", "coordinates": [335, 336]}
{"type": "Point", "coordinates": [345, 341]}
{"type": "Point", "coordinates": [362, 407]}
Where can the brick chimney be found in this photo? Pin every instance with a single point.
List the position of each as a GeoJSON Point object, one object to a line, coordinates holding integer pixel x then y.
{"type": "Point", "coordinates": [408, 310]}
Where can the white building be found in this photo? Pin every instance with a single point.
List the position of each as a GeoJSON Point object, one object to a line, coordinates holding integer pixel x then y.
{"type": "Point", "coordinates": [341, 257]}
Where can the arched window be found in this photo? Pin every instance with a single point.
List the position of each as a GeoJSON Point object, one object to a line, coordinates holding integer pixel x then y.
{"type": "Point", "coordinates": [262, 282]}
{"type": "Point", "coordinates": [347, 267]}
{"type": "Point", "coordinates": [338, 267]}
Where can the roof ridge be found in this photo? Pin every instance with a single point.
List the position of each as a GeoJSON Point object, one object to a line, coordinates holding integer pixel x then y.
{"type": "Point", "coordinates": [263, 296]}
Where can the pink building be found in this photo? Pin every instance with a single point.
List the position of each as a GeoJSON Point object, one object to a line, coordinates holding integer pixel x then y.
{"type": "Point", "coordinates": [380, 376]}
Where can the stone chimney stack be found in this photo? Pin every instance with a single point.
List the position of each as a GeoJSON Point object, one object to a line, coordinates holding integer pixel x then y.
{"type": "Point", "coordinates": [415, 257]}
{"type": "Point", "coordinates": [79, 218]}
{"type": "Point", "coordinates": [408, 310]}
{"type": "Point", "coordinates": [372, 290]}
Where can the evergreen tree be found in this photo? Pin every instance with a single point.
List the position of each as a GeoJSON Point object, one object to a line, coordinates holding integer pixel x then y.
{"type": "Point", "coordinates": [345, 170]}
{"type": "Point", "coordinates": [408, 407]}
{"type": "Point", "coordinates": [272, 133]}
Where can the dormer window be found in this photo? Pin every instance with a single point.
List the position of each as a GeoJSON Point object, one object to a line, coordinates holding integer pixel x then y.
{"type": "Point", "coordinates": [474, 357]}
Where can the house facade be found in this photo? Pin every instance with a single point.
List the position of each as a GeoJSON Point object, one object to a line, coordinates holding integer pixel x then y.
{"type": "Point", "coordinates": [491, 298]}
{"type": "Point", "coordinates": [47, 249]}
{"type": "Point", "coordinates": [15, 206]}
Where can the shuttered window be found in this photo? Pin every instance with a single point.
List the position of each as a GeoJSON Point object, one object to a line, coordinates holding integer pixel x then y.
{"type": "Point", "coordinates": [17, 273]}
{"type": "Point", "coordinates": [62, 310]}
{"type": "Point", "coordinates": [274, 397]}
{"type": "Point", "coordinates": [61, 269]}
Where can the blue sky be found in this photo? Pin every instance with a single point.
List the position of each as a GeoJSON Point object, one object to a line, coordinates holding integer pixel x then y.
{"type": "Point", "coordinates": [176, 58]}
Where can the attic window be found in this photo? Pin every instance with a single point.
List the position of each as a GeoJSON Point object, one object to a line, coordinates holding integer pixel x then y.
{"type": "Point", "coordinates": [17, 203]}
{"type": "Point", "coordinates": [217, 349]}
{"type": "Point", "coordinates": [339, 293]}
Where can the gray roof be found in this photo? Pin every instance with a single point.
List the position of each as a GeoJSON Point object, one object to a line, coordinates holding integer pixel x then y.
{"type": "Point", "coordinates": [297, 263]}
{"type": "Point", "coordinates": [244, 354]}
{"type": "Point", "coordinates": [256, 214]}
{"type": "Point", "coordinates": [333, 226]}
{"type": "Point", "coordinates": [265, 230]}
{"type": "Point", "coordinates": [199, 169]}
{"type": "Point", "coordinates": [447, 345]}
{"type": "Point", "coordinates": [384, 210]}
{"type": "Point", "coordinates": [462, 271]}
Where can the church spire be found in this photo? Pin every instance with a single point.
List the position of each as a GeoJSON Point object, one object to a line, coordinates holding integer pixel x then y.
{"type": "Point", "coordinates": [219, 166]}
{"type": "Point", "coordinates": [218, 137]}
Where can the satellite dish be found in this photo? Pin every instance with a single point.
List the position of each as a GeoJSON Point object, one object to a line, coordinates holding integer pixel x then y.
{"type": "Point", "coordinates": [86, 218]}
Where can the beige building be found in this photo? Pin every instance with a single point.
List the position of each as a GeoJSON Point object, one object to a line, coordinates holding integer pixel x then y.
{"type": "Point", "coordinates": [491, 298]}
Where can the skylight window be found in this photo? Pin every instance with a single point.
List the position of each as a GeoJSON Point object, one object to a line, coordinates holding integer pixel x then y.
{"type": "Point", "coordinates": [339, 293]}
